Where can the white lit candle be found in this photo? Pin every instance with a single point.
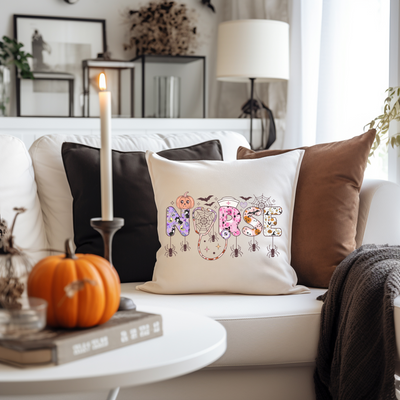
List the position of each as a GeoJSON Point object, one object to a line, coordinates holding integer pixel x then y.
{"type": "Point", "coordinates": [105, 152]}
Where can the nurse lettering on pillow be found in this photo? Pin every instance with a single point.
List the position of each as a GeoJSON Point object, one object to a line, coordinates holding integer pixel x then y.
{"type": "Point", "coordinates": [215, 221]}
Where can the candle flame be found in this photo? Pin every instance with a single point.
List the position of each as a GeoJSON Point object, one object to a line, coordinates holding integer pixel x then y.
{"type": "Point", "coordinates": [102, 81]}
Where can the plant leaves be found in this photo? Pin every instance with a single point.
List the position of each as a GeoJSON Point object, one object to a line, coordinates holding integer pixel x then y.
{"type": "Point", "coordinates": [11, 53]}
{"type": "Point", "coordinates": [391, 112]}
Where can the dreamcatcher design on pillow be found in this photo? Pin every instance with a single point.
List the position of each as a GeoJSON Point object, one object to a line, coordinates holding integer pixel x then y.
{"type": "Point", "coordinates": [204, 223]}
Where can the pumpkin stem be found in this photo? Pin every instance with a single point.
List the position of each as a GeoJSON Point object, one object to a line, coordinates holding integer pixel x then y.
{"type": "Point", "coordinates": [185, 195]}
{"type": "Point", "coordinates": [68, 250]}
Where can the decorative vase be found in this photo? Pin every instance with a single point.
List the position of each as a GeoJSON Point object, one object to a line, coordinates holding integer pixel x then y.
{"type": "Point", "coordinates": [167, 96]}
{"type": "Point", "coordinates": [15, 266]}
{"type": "Point", "coordinates": [5, 86]}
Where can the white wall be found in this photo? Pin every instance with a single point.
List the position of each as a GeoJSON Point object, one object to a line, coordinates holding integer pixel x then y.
{"type": "Point", "coordinates": [112, 12]}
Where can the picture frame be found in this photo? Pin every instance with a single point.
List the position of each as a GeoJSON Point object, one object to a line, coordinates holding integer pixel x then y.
{"type": "Point", "coordinates": [58, 46]}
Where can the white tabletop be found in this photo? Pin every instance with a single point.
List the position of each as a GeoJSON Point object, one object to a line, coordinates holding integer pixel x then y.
{"type": "Point", "coordinates": [189, 342]}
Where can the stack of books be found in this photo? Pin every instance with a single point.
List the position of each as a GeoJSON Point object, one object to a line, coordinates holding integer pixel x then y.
{"type": "Point", "coordinates": [60, 346]}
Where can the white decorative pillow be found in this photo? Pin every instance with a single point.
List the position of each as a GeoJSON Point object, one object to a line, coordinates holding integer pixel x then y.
{"type": "Point", "coordinates": [225, 226]}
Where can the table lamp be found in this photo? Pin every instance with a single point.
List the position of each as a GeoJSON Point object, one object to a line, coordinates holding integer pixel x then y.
{"type": "Point", "coordinates": [253, 49]}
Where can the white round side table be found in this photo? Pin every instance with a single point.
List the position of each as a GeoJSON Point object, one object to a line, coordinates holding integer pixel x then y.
{"type": "Point", "coordinates": [190, 342]}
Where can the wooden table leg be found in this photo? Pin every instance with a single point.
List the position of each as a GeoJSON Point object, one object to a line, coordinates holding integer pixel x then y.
{"type": "Point", "coordinates": [112, 395]}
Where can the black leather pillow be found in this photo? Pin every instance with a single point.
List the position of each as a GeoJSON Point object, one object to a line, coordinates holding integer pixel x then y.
{"type": "Point", "coordinates": [136, 243]}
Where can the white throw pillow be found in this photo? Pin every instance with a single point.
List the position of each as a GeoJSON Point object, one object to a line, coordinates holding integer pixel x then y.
{"type": "Point", "coordinates": [225, 226]}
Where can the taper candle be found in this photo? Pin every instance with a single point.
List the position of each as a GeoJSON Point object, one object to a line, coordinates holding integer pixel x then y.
{"type": "Point", "coordinates": [105, 152]}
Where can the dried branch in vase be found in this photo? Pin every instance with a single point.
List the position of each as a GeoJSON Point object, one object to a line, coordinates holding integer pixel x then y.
{"type": "Point", "coordinates": [165, 28]}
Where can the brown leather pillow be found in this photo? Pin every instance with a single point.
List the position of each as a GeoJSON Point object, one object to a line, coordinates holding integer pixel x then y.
{"type": "Point", "coordinates": [326, 207]}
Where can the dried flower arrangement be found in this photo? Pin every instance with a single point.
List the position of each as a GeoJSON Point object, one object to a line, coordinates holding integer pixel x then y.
{"type": "Point", "coordinates": [165, 27]}
{"type": "Point", "coordinates": [14, 266]}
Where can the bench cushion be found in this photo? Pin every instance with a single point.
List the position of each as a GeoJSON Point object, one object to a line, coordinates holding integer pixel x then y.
{"type": "Point", "coordinates": [261, 330]}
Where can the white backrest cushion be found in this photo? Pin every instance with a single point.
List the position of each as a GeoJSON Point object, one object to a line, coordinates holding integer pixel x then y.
{"type": "Point", "coordinates": [377, 224]}
{"type": "Point", "coordinates": [18, 189]}
{"type": "Point", "coordinates": [54, 193]}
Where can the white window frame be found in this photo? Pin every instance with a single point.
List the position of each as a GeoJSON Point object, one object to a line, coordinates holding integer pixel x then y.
{"type": "Point", "coordinates": [394, 80]}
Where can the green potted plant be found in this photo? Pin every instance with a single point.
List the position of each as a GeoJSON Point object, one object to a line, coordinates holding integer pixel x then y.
{"type": "Point", "coordinates": [11, 53]}
{"type": "Point", "coordinates": [391, 112]}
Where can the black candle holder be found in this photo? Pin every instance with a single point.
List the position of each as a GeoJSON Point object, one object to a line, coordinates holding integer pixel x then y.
{"type": "Point", "coordinates": [107, 230]}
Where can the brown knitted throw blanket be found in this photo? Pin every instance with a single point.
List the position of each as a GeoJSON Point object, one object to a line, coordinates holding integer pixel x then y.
{"type": "Point", "coordinates": [356, 350]}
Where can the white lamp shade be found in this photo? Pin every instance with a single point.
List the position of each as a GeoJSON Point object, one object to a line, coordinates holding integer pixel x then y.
{"type": "Point", "coordinates": [253, 48]}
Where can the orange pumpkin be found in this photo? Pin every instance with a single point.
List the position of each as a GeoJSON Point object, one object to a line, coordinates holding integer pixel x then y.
{"type": "Point", "coordinates": [81, 290]}
{"type": "Point", "coordinates": [185, 202]}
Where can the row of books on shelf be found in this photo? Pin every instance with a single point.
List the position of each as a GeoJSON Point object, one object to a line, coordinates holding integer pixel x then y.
{"type": "Point", "coordinates": [60, 346]}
